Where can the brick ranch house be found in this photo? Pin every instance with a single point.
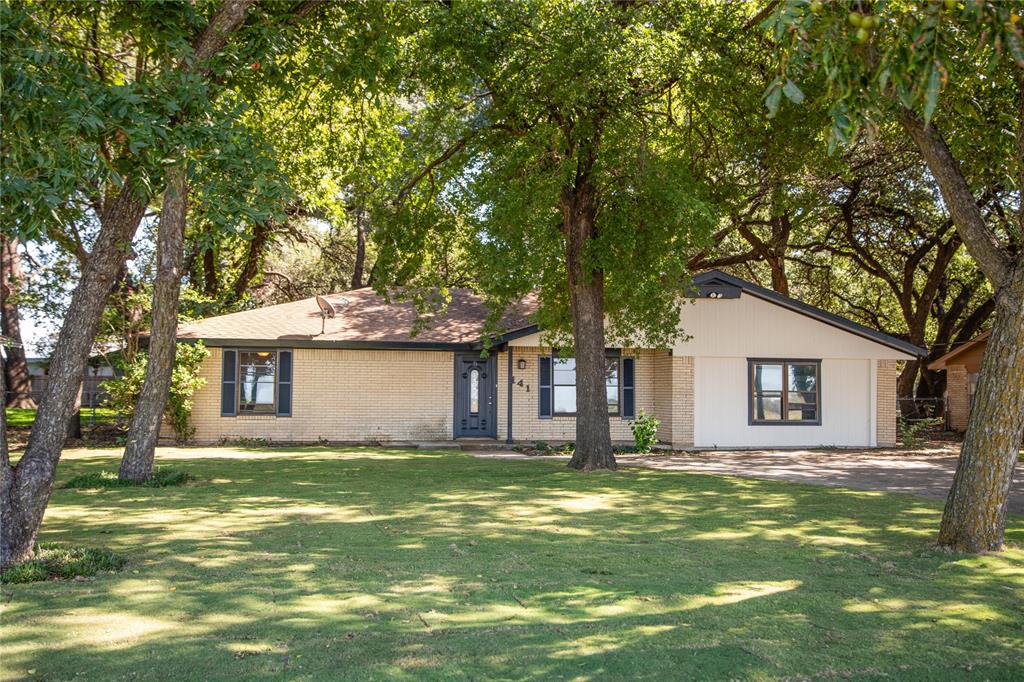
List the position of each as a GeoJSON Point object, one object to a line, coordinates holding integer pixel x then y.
{"type": "Point", "coordinates": [758, 369]}
{"type": "Point", "coordinates": [962, 366]}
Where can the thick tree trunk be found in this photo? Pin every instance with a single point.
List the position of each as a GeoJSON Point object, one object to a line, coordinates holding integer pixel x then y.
{"type": "Point", "coordinates": [137, 462]}
{"type": "Point", "coordinates": [357, 271]}
{"type": "Point", "coordinates": [15, 369]}
{"type": "Point", "coordinates": [27, 487]}
{"type": "Point", "coordinates": [586, 298]}
{"type": "Point", "coordinates": [975, 513]}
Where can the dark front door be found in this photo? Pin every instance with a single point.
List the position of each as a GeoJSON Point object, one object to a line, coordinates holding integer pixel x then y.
{"type": "Point", "coordinates": [475, 386]}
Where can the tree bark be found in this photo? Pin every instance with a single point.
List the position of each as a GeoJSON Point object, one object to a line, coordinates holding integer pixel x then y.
{"type": "Point", "coordinates": [27, 487]}
{"type": "Point", "coordinates": [15, 369]}
{"type": "Point", "coordinates": [975, 513]}
{"type": "Point", "coordinates": [144, 430]}
{"type": "Point", "coordinates": [586, 300]}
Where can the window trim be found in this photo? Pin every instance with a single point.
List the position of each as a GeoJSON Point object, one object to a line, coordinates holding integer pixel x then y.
{"type": "Point", "coordinates": [609, 354]}
{"type": "Point", "coordinates": [785, 362]}
{"type": "Point", "coordinates": [238, 382]}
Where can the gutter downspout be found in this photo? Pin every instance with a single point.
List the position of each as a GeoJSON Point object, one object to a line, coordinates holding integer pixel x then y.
{"type": "Point", "coordinates": [508, 406]}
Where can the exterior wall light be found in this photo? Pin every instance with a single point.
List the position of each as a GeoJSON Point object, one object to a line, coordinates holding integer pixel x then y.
{"type": "Point", "coordinates": [522, 363]}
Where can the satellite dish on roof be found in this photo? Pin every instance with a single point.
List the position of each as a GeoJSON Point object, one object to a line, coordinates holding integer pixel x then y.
{"type": "Point", "coordinates": [326, 310]}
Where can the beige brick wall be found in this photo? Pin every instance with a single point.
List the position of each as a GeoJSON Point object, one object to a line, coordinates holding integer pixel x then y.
{"type": "Point", "coordinates": [528, 426]}
{"type": "Point", "coordinates": [343, 395]}
{"type": "Point", "coordinates": [887, 407]}
{"type": "Point", "coordinates": [958, 401]}
{"type": "Point", "coordinates": [682, 401]}
{"type": "Point", "coordinates": [663, 397]}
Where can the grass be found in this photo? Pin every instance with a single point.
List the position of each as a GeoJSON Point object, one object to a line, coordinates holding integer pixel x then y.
{"type": "Point", "coordinates": [361, 563]}
{"type": "Point", "coordinates": [56, 562]}
{"type": "Point", "coordinates": [22, 418]}
{"type": "Point", "coordinates": [161, 478]}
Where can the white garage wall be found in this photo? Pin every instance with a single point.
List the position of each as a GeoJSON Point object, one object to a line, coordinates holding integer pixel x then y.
{"type": "Point", "coordinates": [721, 412]}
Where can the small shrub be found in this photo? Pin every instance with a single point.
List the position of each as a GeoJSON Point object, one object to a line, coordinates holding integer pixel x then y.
{"type": "Point", "coordinates": [246, 442]}
{"type": "Point", "coordinates": [162, 478]}
{"type": "Point", "coordinates": [645, 432]}
{"type": "Point", "coordinates": [185, 381]}
{"type": "Point", "coordinates": [55, 562]}
{"type": "Point", "coordinates": [912, 430]}
{"type": "Point", "coordinates": [541, 446]}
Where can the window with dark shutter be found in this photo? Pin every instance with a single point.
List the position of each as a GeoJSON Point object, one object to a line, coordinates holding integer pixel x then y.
{"type": "Point", "coordinates": [544, 384]}
{"type": "Point", "coordinates": [628, 388]}
{"type": "Point", "coordinates": [284, 383]}
{"type": "Point", "coordinates": [228, 381]}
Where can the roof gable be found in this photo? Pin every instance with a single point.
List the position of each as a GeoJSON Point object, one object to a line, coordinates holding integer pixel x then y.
{"type": "Point", "coordinates": [718, 278]}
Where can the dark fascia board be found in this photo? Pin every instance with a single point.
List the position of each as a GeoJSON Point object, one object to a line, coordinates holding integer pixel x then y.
{"type": "Point", "coordinates": [344, 345]}
{"type": "Point", "coordinates": [717, 277]}
{"type": "Point", "coordinates": [362, 345]}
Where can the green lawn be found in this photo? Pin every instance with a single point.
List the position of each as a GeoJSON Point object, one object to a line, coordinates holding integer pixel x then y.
{"type": "Point", "coordinates": [22, 418]}
{"type": "Point", "coordinates": [360, 563]}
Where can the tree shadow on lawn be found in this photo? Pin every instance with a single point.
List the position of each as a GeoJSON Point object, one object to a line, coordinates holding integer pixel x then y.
{"type": "Point", "coordinates": [330, 564]}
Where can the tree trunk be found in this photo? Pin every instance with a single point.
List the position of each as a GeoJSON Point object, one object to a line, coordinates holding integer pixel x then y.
{"type": "Point", "coordinates": [75, 423]}
{"type": "Point", "coordinates": [15, 369]}
{"type": "Point", "coordinates": [27, 487]}
{"type": "Point", "coordinates": [137, 462]}
{"type": "Point", "coordinates": [357, 271]}
{"type": "Point", "coordinates": [975, 513]}
{"type": "Point", "coordinates": [254, 254]}
{"type": "Point", "coordinates": [586, 300]}
{"type": "Point", "coordinates": [210, 287]}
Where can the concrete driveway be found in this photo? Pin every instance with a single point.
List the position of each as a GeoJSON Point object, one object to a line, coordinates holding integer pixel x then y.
{"type": "Point", "coordinates": [927, 472]}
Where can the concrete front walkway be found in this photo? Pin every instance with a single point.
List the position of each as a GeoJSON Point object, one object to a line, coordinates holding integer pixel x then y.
{"type": "Point", "coordinates": [927, 472]}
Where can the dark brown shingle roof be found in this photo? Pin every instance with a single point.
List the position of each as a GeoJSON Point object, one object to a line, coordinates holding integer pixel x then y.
{"type": "Point", "coordinates": [363, 318]}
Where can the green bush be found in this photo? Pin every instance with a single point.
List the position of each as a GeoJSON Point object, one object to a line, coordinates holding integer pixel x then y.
{"type": "Point", "coordinates": [912, 430]}
{"type": "Point", "coordinates": [55, 562]}
{"type": "Point", "coordinates": [645, 431]}
{"type": "Point", "coordinates": [161, 478]}
{"type": "Point", "coordinates": [185, 380]}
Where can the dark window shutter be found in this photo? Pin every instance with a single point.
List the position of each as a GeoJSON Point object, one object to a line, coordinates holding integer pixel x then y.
{"type": "Point", "coordinates": [628, 388]}
{"type": "Point", "coordinates": [544, 384]}
{"type": "Point", "coordinates": [228, 385]}
{"type": "Point", "coordinates": [284, 383]}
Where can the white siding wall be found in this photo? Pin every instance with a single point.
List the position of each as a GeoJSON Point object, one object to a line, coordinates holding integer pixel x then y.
{"type": "Point", "coordinates": [725, 333]}
{"type": "Point", "coordinates": [721, 407]}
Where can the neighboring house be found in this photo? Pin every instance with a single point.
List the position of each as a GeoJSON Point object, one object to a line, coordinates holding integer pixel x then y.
{"type": "Point", "coordinates": [93, 377]}
{"type": "Point", "coordinates": [758, 370]}
{"type": "Point", "coordinates": [962, 366]}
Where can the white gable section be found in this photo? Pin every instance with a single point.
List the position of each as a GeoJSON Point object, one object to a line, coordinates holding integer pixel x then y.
{"type": "Point", "coordinates": [749, 326]}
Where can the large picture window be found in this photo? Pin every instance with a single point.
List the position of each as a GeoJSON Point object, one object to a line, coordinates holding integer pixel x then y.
{"type": "Point", "coordinates": [257, 382]}
{"type": "Point", "coordinates": [785, 391]}
{"type": "Point", "coordinates": [564, 385]}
